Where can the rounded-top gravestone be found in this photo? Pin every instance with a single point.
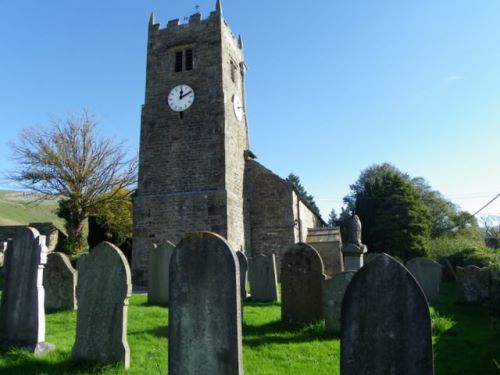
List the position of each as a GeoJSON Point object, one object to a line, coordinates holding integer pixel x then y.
{"type": "Point", "coordinates": [205, 308]}
{"type": "Point", "coordinates": [428, 274]}
{"type": "Point", "coordinates": [59, 281]}
{"type": "Point", "coordinates": [386, 324]}
{"type": "Point", "coordinates": [104, 285]}
{"type": "Point", "coordinates": [158, 273]}
{"type": "Point", "coordinates": [301, 285]}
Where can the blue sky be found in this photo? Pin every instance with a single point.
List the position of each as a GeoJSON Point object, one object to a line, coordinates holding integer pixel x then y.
{"type": "Point", "coordinates": [332, 88]}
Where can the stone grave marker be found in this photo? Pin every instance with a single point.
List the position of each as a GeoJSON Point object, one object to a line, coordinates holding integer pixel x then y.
{"type": "Point", "coordinates": [264, 278]}
{"type": "Point", "coordinates": [386, 324]}
{"type": "Point", "coordinates": [473, 284]}
{"type": "Point", "coordinates": [333, 294]}
{"type": "Point", "coordinates": [3, 247]}
{"type": "Point", "coordinates": [428, 274]}
{"type": "Point", "coordinates": [243, 263]}
{"type": "Point", "coordinates": [22, 311]}
{"type": "Point", "coordinates": [59, 281]}
{"type": "Point", "coordinates": [205, 308]}
{"type": "Point", "coordinates": [141, 248]}
{"type": "Point", "coordinates": [369, 257]}
{"type": "Point", "coordinates": [327, 242]}
{"type": "Point", "coordinates": [301, 285]}
{"type": "Point", "coordinates": [104, 285]}
{"type": "Point", "coordinates": [158, 273]}
{"type": "Point", "coordinates": [495, 291]}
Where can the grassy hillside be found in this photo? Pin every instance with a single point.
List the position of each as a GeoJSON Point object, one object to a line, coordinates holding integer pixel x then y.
{"type": "Point", "coordinates": [22, 208]}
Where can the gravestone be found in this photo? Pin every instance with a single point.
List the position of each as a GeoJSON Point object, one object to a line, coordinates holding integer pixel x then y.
{"type": "Point", "coordinates": [3, 247]}
{"type": "Point", "coordinates": [473, 284]}
{"type": "Point", "coordinates": [301, 285]}
{"type": "Point", "coordinates": [140, 263]}
{"type": "Point", "coordinates": [386, 325]}
{"type": "Point", "coordinates": [495, 291]}
{"type": "Point", "coordinates": [353, 249]}
{"type": "Point", "coordinates": [59, 281]}
{"type": "Point", "coordinates": [22, 312]}
{"type": "Point", "coordinates": [327, 242]}
{"type": "Point", "coordinates": [205, 307]}
{"type": "Point", "coordinates": [428, 274]}
{"type": "Point", "coordinates": [243, 263]}
{"type": "Point", "coordinates": [369, 257]}
{"type": "Point", "coordinates": [104, 285]}
{"type": "Point", "coordinates": [158, 273]}
{"type": "Point", "coordinates": [333, 294]}
{"type": "Point", "coordinates": [264, 278]}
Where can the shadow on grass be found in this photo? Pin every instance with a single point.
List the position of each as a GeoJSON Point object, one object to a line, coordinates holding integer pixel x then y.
{"type": "Point", "coordinates": [278, 333]}
{"type": "Point", "coordinates": [23, 363]}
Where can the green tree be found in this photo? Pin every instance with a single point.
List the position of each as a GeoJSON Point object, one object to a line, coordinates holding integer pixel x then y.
{"type": "Point", "coordinates": [333, 218]}
{"type": "Point", "coordinates": [67, 161]}
{"type": "Point", "coordinates": [394, 217]}
{"type": "Point", "coordinates": [295, 181]}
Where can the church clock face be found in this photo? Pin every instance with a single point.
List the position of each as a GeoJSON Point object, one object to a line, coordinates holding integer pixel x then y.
{"type": "Point", "coordinates": [237, 107]}
{"type": "Point", "coordinates": [180, 98]}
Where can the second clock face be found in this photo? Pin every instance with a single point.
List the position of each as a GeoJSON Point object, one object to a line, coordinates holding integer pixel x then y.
{"type": "Point", "coordinates": [180, 98]}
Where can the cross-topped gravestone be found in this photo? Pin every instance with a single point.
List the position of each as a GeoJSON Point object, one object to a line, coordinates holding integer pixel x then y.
{"type": "Point", "coordinates": [59, 281]}
{"type": "Point", "coordinates": [204, 315]}
{"type": "Point", "coordinates": [158, 273]}
{"type": "Point", "coordinates": [301, 285]}
{"type": "Point", "coordinates": [104, 285]}
{"type": "Point", "coordinates": [386, 325]}
{"type": "Point", "coordinates": [22, 311]}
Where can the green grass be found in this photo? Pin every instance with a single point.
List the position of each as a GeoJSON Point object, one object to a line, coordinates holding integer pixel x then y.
{"type": "Point", "coordinates": [19, 209]}
{"type": "Point", "coordinates": [466, 341]}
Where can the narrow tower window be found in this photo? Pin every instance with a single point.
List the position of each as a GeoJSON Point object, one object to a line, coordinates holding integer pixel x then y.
{"type": "Point", "coordinates": [178, 61]}
{"type": "Point", "coordinates": [189, 59]}
{"type": "Point", "coordinates": [233, 71]}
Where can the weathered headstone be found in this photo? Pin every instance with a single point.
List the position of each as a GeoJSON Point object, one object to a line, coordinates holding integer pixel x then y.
{"type": "Point", "coordinates": [333, 294]}
{"type": "Point", "coordinates": [59, 281]}
{"type": "Point", "coordinates": [204, 316]}
{"type": "Point", "coordinates": [22, 312]}
{"type": "Point", "coordinates": [264, 278]}
{"type": "Point", "coordinates": [353, 249]}
{"type": "Point", "coordinates": [386, 324]}
{"type": "Point", "coordinates": [369, 257]}
{"type": "Point", "coordinates": [495, 291]}
{"type": "Point", "coordinates": [473, 284]}
{"type": "Point", "coordinates": [327, 242]}
{"type": "Point", "coordinates": [3, 247]}
{"type": "Point", "coordinates": [141, 248]}
{"type": "Point", "coordinates": [243, 263]}
{"type": "Point", "coordinates": [301, 285]}
{"type": "Point", "coordinates": [158, 273]}
{"type": "Point", "coordinates": [428, 274]}
{"type": "Point", "coordinates": [104, 285]}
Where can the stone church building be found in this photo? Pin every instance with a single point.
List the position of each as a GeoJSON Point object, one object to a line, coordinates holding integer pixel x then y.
{"type": "Point", "coordinates": [196, 170]}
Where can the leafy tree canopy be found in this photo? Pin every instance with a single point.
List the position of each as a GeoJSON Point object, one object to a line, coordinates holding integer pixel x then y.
{"type": "Point", "coordinates": [67, 161]}
{"type": "Point", "coordinates": [295, 181]}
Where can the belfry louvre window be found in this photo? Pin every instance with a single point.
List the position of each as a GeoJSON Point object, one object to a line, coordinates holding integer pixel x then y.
{"type": "Point", "coordinates": [184, 60]}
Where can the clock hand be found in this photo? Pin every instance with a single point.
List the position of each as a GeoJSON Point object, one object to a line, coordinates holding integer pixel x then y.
{"type": "Point", "coordinates": [186, 94]}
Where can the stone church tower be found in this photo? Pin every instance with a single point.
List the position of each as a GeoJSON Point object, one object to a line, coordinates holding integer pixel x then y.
{"type": "Point", "coordinates": [194, 136]}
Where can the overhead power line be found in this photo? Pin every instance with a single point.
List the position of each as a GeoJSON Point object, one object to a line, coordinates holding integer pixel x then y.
{"type": "Point", "coordinates": [486, 205]}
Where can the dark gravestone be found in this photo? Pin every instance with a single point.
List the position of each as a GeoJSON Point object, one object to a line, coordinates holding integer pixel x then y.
{"type": "Point", "coordinates": [333, 294]}
{"type": "Point", "coordinates": [263, 278]}
{"type": "Point", "coordinates": [158, 273]}
{"type": "Point", "coordinates": [428, 274]}
{"type": "Point", "coordinates": [59, 281]}
{"type": "Point", "coordinates": [386, 325]}
{"type": "Point", "coordinates": [22, 310]}
{"type": "Point", "coordinates": [104, 285]}
{"type": "Point", "coordinates": [205, 315]}
{"type": "Point", "coordinates": [243, 263]}
{"type": "Point", "coordinates": [473, 284]}
{"type": "Point", "coordinates": [301, 285]}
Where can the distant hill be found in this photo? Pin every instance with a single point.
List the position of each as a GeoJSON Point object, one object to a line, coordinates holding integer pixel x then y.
{"type": "Point", "coordinates": [17, 207]}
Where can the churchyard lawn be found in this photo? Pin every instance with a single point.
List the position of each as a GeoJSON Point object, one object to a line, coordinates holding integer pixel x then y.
{"type": "Point", "coordinates": [466, 341]}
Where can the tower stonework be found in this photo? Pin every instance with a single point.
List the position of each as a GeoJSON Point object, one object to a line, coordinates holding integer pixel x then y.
{"type": "Point", "coordinates": [191, 163]}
